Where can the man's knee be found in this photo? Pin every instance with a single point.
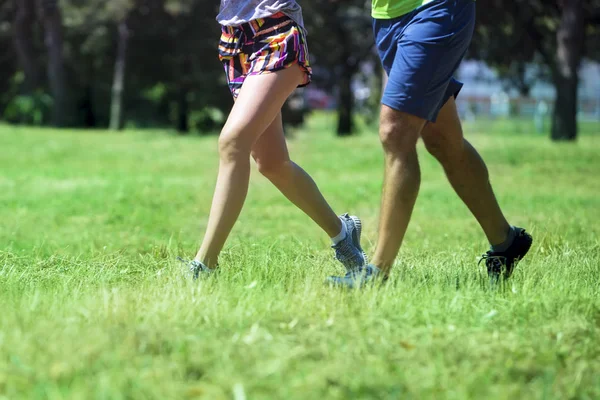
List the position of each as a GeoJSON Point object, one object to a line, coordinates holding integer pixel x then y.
{"type": "Point", "coordinates": [434, 140]}
{"type": "Point", "coordinates": [399, 131]}
{"type": "Point", "coordinates": [444, 138]}
{"type": "Point", "coordinates": [441, 143]}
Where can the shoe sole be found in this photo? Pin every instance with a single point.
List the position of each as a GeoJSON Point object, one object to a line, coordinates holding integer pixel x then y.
{"type": "Point", "coordinates": [356, 240]}
{"type": "Point", "coordinates": [356, 283]}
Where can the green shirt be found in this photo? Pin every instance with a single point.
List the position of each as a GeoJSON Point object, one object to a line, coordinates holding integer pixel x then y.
{"type": "Point", "coordinates": [388, 9]}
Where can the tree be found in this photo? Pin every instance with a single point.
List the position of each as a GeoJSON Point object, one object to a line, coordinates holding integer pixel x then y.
{"type": "Point", "coordinates": [153, 63]}
{"type": "Point", "coordinates": [165, 74]}
{"type": "Point", "coordinates": [120, 10]}
{"type": "Point", "coordinates": [570, 37]}
{"type": "Point", "coordinates": [116, 105]}
{"type": "Point", "coordinates": [23, 38]}
{"type": "Point", "coordinates": [56, 72]}
{"type": "Point", "coordinates": [8, 59]}
{"type": "Point", "coordinates": [553, 33]}
{"type": "Point", "coordinates": [340, 35]}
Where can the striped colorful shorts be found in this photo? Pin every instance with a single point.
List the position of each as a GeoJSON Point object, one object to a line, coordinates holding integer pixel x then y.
{"type": "Point", "coordinates": [262, 46]}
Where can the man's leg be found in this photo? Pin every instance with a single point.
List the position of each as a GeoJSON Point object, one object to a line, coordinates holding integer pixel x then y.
{"type": "Point", "coordinates": [469, 177]}
{"type": "Point", "coordinates": [399, 133]}
{"type": "Point", "coordinates": [420, 52]}
{"type": "Point", "coordinates": [466, 171]}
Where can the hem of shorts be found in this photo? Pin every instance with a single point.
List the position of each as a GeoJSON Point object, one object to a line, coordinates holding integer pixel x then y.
{"type": "Point", "coordinates": [402, 107]}
{"type": "Point", "coordinates": [457, 92]}
{"type": "Point", "coordinates": [431, 117]}
{"type": "Point", "coordinates": [304, 68]}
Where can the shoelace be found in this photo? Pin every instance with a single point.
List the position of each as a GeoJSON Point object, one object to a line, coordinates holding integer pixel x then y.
{"type": "Point", "coordinates": [497, 262]}
{"type": "Point", "coordinates": [194, 267]}
{"type": "Point", "coordinates": [356, 273]}
{"type": "Point", "coordinates": [343, 251]}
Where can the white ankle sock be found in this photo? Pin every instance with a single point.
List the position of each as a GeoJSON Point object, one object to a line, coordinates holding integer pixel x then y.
{"type": "Point", "coordinates": [341, 236]}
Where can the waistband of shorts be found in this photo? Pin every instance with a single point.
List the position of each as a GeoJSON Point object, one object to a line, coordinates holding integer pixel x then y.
{"type": "Point", "coordinates": [262, 25]}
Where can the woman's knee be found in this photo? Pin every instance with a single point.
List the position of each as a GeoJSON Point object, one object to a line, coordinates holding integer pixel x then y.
{"type": "Point", "coordinates": [273, 169]}
{"type": "Point", "coordinates": [233, 146]}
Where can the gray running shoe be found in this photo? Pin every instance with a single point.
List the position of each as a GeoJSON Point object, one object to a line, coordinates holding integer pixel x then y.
{"type": "Point", "coordinates": [357, 279]}
{"type": "Point", "coordinates": [348, 251]}
{"type": "Point", "coordinates": [196, 268]}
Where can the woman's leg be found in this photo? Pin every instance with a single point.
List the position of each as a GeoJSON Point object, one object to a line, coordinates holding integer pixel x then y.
{"type": "Point", "coordinates": [258, 104]}
{"type": "Point", "coordinates": [273, 160]}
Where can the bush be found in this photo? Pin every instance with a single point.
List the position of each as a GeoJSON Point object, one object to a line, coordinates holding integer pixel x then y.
{"type": "Point", "coordinates": [29, 109]}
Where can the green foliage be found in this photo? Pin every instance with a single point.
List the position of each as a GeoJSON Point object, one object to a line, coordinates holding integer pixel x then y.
{"type": "Point", "coordinates": [94, 306]}
{"type": "Point", "coordinates": [172, 47]}
{"type": "Point", "coordinates": [208, 118]}
{"type": "Point", "coordinates": [29, 109]}
{"type": "Point", "coordinates": [339, 33]}
{"type": "Point", "coordinates": [512, 33]}
{"type": "Point", "coordinates": [7, 58]}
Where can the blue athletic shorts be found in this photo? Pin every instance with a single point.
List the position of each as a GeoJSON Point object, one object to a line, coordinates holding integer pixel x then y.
{"type": "Point", "coordinates": [420, 52]}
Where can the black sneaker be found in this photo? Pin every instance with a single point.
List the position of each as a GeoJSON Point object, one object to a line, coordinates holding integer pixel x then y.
{"type": "Point", "coordinates": [502, 264]}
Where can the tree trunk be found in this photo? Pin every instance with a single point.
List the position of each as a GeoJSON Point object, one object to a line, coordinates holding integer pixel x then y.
{"type": "Point", "coordinates": [293, 111]}
{"type": "Point", "coordinates": [24, 20]}
{"type": "Point", "coordinates": [345, 102]}
{"type": "Point", "coordinates": [56, 70]}
{"type": "Point", "coordinates": [87, 107]}
{"type": "Point", "coordinates": [570, 40]}
{"type": "Point", "coordinates": [346, 62]}
{"type": "Point", "coordinates": [183, 111]}
{"type": "Point", "coordinates": [185, 87]}
{"type": "Point", "coordinates": [116, 105]}
{"type": "Point", "coordinates": [521, 82]}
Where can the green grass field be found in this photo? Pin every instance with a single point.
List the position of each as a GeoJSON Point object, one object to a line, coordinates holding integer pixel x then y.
{"type": "Point", "coordinates": [94, 305]}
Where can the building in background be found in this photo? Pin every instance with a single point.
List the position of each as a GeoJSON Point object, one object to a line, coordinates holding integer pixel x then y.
{"type": "Point", "coordinates": [485, 94]}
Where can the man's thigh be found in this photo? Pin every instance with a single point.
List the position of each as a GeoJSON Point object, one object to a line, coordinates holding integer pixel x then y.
{"type": "Point", "coordinates": [421, 52]}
